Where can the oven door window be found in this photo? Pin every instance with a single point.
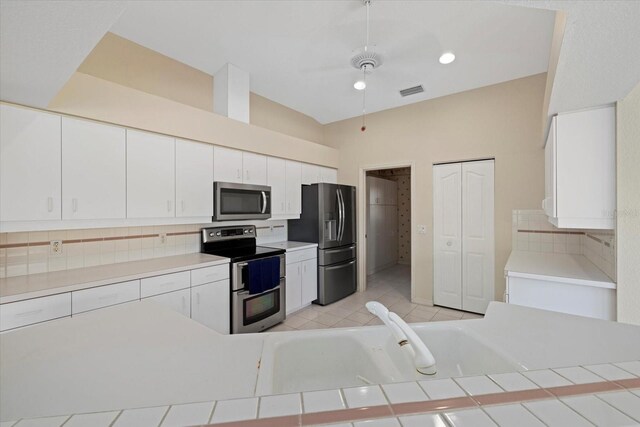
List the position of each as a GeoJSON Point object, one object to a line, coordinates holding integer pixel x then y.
{"type": "Point", "coordinates": [234, 201]}
{"type": "Point", "coordinates": [260, 307]}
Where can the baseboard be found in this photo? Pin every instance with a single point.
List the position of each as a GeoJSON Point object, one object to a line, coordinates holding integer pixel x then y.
{"type": "Point", "coordinates": [422, 301]}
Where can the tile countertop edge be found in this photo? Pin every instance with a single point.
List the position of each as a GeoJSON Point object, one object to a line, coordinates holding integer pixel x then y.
{"type": "Point", "coordinates": [537, 266]}
{"type": "Point", "coordinates": [291, 245]}
{"type": "Point", "coordinates": [75, 283]}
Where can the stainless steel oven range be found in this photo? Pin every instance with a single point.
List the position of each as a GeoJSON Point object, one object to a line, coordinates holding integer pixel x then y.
{"type": "Point", "coordinates": [250, 312]}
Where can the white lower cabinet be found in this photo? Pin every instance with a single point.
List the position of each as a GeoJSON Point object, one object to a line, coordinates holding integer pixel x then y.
{"type": "Point", "coordinates": [210, 305]}
{"type": "Point", "coordinates": [178, 301]}
{"type": "Point", "coordinates": [309, 281]}
{"type": "Point", "coordinates": [36, 310]}
{"type": "Point", "coordinates": [104, 296]}
{"type": "Point", "coordinates": [302, 279]}
{"type": "Point", "coordinates": [202, 294]}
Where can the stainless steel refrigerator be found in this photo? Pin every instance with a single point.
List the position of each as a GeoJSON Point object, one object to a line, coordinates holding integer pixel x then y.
{"type": "Point", "coordinates": [329, 219]}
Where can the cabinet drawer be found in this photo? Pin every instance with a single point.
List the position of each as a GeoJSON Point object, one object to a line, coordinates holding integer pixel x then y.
{"type": "Point", "coordinates": [23, 313]}
{"type": "Point", "coordinates": [209, 274]}
{"type": "Point", "coordinates": [301, 255]}
{"type": "Point", "coordinates": [165, 283]}
{"type": "Point", "coordinates": [104, 296]}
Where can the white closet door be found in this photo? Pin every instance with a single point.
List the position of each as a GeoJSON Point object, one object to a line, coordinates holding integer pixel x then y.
{"type": "Point", "coordinates": [391, 213]}
{"type": "Point", "coordinates": [447, 242]}
{"type": "Point", "coordinates": [377, 256]}
{"type": "Point", "coordinates": [478, 267]}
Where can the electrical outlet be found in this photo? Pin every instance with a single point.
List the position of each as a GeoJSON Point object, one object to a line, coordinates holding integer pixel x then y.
{"type": "Point", "coordinates": [163, 238]}
{"type": "Point", "coordinates": [422, 229]}
{"type": "Point", "coordinates": [55, 247]}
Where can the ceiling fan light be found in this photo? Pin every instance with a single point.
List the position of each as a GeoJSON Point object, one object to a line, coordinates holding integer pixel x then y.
{"type": "Point", "coordinates": [447, 58]}
{"type": "Point", "coordinates": [359, 85]}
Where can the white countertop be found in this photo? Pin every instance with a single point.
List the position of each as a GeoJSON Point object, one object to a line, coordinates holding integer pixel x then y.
{"type": "Point", "coordinates": [291, 245]}
{"type": "Point", "coordinates": [38, 285]}
{"type": "Point", "coordinates": [567, 268]}
{"type": "Point", "coordinates": [130, 355]}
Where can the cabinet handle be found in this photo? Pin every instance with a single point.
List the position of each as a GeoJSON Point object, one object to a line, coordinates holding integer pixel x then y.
{"type": "Point", "coordinates": [74, 205]}
{"type": "Point", "coordinates": [169, 205]}
{"type": "Point", "coordinates": [50, 204]}
{"type": "Point", "coordinates": [238, 173]}
{"type": "Point", "coordinates": [282, 206]}
{"type": "Point", "coordinates": [182, 205]}
{"type": "Point", "coordinates": [248, 178]}
{"type": "Point", "coordinates": [198, 298]}
{"type": "Point", "coordinates": [110, 296]}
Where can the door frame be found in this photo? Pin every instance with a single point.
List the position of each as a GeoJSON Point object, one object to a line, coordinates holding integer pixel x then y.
{"type": "Point", "coordinates": [362, 219]}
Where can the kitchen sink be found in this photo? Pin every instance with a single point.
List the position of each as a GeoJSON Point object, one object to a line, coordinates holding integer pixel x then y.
{"type": "Point", "coordinates": [336, 358]}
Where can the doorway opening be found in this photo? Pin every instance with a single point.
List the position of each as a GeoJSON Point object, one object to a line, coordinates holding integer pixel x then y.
{"type": "Point", "coordinates": [387, 229]}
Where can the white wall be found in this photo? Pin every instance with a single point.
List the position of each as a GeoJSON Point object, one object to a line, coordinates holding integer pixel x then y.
{"type": "Point", "coordinates": [628, 207]}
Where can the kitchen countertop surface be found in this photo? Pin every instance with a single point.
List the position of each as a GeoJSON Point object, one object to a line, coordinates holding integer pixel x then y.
{"type": "Point", "coordinates": [291, 245]}
{"type": "Point", "coordinates": [568, 268]}
{"type": "Point", "coordinates": [129, 355]}
{"type": "Point", "coordinates": [20, 288]}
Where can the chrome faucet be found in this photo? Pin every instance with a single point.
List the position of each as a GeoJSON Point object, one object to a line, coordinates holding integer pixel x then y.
{"type": "Point", "coordinates": [406, 337]}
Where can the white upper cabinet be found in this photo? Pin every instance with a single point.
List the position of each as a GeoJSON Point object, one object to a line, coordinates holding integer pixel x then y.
{"type": "Point", "coordinates": [254, 168]}
{"type": "Point", "coordinates": [328, 175]}
{"type": "Point", "coordinates": [194, 179]}
{"type": "Point", "coordinates": [277, 180]}
{"type": "Point", "coordinates": [294, 188]}
{"type": "Point", "coordinates": [580, 170]}
{"type": "Point", "coordinates": [310, 174]}
{"type": "Point", "coordinates": [93, 170]}
{"type": "Point", "coordinates": [30, 165]}
{"type": "Point", "coordinates": [150, 175]}
{"type": "Point", "coordinates": [227, 165]}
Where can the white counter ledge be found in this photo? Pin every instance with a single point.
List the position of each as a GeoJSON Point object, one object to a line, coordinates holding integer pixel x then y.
{"type": "Point", "coordinates": [291, 245]}
{"type": "Point", "coordinates": [20, 288]}
{"type": "Point", "coordinates": [567, 268]}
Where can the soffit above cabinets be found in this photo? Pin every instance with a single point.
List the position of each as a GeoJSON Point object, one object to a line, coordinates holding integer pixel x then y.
{"type": "Point", "coordinates": [298, 52]}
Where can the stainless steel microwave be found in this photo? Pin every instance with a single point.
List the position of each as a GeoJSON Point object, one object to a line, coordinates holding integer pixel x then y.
{"type": "Point", "coordinates": [240, 201]}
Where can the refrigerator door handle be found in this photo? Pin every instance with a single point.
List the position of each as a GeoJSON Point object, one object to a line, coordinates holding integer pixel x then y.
{"type": "Point", "coordinates": [341, 214]}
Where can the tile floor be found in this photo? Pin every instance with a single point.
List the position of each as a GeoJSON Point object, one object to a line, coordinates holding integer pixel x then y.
{"type": "Point", "coordinates": [391, 287]}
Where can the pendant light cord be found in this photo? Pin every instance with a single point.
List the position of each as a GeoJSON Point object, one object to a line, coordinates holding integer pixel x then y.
{"type": "Point", "coordinates": [364, 72]}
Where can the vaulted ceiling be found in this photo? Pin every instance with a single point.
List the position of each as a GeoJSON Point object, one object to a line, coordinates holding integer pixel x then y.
{"type": "Point", "coordinates": [298, 52]}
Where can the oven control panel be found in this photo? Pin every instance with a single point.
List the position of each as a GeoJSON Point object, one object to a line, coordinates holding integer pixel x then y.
{"type": "Point", "coordinates": [225, 233]}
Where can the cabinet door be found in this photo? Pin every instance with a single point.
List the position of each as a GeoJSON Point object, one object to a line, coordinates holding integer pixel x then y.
{"type": "Point", "coordinates": [447, 239]}
{"type": "Point", "coordinates": [93, 170]}
{"type": "Point", "coordinates": [376, 239]}
{"type": "Point", "coordinates": [178, 301]}
{"type": "Point", "coordinates": [328, 175]}
{"type": "Point", "coordinates": [310, 174]}
{"type": "Point", "coordinates": [277, 180]}
{"type": "Point", "coordinates": [30, 165]}
{"type": "Point", "coordinates": [254, 168]}
{"type": "Point", "coordinates": [391, 229]}
{"type": "Point", "coordinates": [293, 287]}
{"type": "Point", "coordinates": [194, 179]}
{"type": "Point", "coordinates": [549, 203]}
{"type": "Point", "coordinates": [309, 281]}
{"type": "Point", "coordinates": [150, 175]}
{"type": "Point", "coordinates": [210, 305]}
{"type": "Point", "coordinates": [227, 165]}
{"type": "Point", "coordinates": [294, 188]}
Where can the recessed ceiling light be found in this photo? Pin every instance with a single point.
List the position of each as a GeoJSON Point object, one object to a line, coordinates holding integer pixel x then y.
{"type": "Point", "coordinates": [447, 58]}
{"type": "Point", "coordinates": [360, 85]}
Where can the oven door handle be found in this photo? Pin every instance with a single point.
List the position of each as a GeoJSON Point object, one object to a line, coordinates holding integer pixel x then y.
{"type": "Point", "coordinates": [245, 292]}
{"type": "Point", "coordinates": [264, 202]}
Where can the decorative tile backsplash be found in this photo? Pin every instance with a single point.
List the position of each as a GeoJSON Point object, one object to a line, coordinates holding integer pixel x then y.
{"type": "Point", "coordinates": [531, 231]}
{"type": "Point", "coordinates": [30, 253]}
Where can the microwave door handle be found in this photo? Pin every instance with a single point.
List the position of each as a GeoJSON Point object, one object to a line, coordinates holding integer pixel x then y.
{"type": "Point", "coordinates": [264, 202]}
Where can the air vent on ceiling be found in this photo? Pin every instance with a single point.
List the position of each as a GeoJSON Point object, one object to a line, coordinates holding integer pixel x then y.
{"type": "Point", "coordinates": [412, 90]}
